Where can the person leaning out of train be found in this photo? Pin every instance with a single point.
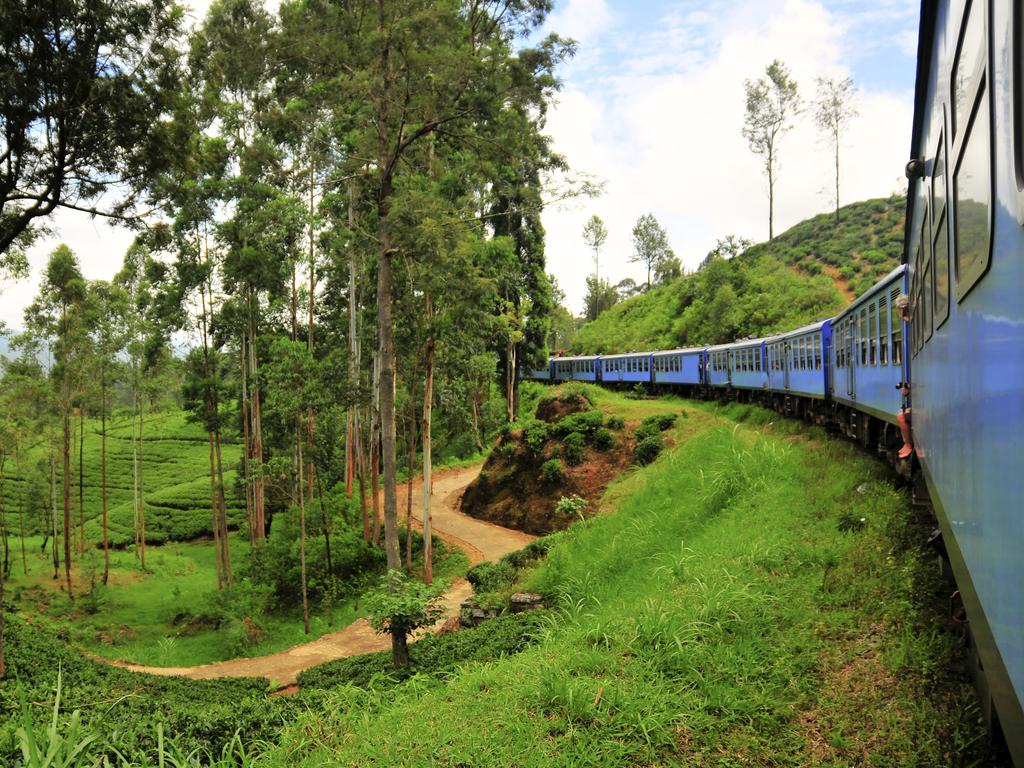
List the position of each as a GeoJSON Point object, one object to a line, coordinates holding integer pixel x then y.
{"type": "Point", "coordinates": [903, 419]}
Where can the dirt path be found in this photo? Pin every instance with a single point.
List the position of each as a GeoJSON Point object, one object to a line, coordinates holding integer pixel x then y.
{"type": "Point", "coordinates": [479, 539]}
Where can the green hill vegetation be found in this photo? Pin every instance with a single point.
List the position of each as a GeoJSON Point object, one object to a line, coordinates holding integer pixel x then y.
{"type": "Point", "coordinates": [734, 606]}
{"type": "Point", "coordinates": [809, 272]}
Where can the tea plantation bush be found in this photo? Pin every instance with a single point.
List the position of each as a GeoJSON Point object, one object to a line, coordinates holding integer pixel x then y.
{"type": "Point", "coordinates": [200, 713]}
{"type": "Point", "coordinates": [434, 656]}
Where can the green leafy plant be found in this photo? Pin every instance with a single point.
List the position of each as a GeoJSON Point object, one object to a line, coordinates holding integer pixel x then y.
{"type": "Point", "coordinates": [53, 747]}
{"type": "Point", "coordinates": [603, 439]}
{"type": "Point", "coordinates": [572, 449]}
{"type": "Point", "coordinates": [535, 434]}
{"type": "Point", "coordinates": [571, 505]}
{"type": "Point", "coordinates": [402, 605]}
{"type": "Point", "coordinates": [615, 422]}
{"type": "Point", "coordinates": [488, 576]}
{"type": "Point", "coordinates": [647, 450]}
{"type": "Point", "coordinates": [552, 472]}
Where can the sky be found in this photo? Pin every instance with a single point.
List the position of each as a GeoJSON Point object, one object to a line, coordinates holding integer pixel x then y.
{"type": "Point", "coordinates": [652, 106]}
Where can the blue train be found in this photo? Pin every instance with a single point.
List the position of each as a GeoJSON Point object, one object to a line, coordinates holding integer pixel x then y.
{"type": "Point", "coordinates": [952, 314]}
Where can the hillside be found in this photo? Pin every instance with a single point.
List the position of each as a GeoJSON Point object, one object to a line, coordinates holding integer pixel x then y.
{"type": "Point", "coordinates": [175, 470]}
{"type": "Point", "coordinates": [810, 271]}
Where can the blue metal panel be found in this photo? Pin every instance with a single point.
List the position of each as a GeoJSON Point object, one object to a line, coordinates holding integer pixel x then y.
{"type": "Point", "coordinates": [630, 368]}
{"type": "Point", "coordinates": [747, 364]}
{"type": "Point", "coordinates": [968, 373]}
{"type": "Point", "coordinates": [678, 366]}
{"type": "Point", "coordinates": [798, 361]}
{"type": "Point", "coordinates": [865, 373]}
{"type": "Point", "coordinates": [717, 370]}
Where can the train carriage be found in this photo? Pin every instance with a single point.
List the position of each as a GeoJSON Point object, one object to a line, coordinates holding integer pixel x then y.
{"type": "Point", "coordinates": [718, 370]}
{"type": "Point", "coordinates": [798, 369]}
{"type": "Point", "coordinates": [868, 358]}
{"type": "Point", "coordinates": [631, 368]}
{"type": "Point", "coordinates": [680, 367]}
{"type": "Point", "coordinates": [582, 368]}
{"type": "Point", "coordinates": [965, 253]}
{"type": "Point", "coordinates": [747, 363]}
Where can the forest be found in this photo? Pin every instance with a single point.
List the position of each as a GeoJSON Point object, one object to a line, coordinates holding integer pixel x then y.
{"type": "Point", "coordinates": [341, 231]}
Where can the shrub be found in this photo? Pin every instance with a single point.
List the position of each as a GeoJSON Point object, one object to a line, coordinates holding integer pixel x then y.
{"type": "Point", "coordinates": [645, 431]}
{"type": "Point", "coordinates": [571, 505]}
{"type": "Point", "coordinates": [603, 439]}
{"type": "Point", "coordinates": [402, 605]}
{"type": "Point", "coordinates": [573, 449]}
{"type": "Point", "coordinates": [435, 656]}
{"type": "Point", "coordinates": [574, 392]}
{"type": "Point", "coordinates": [661, 421]}
{"type": "Point", "coordinates": [535, 550]}
{"type": "Point", "coordinates": [535, 434]}
{"type": "Point", "coordinates": [615, 422]}
{"type": "Point", "coordinates": [638, 392]}
{"type": "Point", "coordinates": [584, 422]}
{"type": "Point", "coordinates": [647, 450]}
{"type": "Point", "coordinates": [552, 471]}
{"type": "Point", "coordinates": [487, 576]}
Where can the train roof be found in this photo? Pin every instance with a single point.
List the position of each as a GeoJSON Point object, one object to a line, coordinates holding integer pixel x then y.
{"type": "Point", "coordinates": [625, 354]}
{"type": "Point", "coordinates": [683, 350]}
{"type": "Point", "coordinates": [737, 344]}
{"type": "Point", "coordinates": [872, 292]}
{"type": "Point", "coordinates": [809, 328]}
{"type": "Point", "coordinates": [573, 358]}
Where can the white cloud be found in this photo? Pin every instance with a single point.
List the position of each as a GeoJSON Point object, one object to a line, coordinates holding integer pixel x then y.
{"type": "Point", "coordinates": [582, 20]}
{"type": "Point", "coordinates": [665, 135]}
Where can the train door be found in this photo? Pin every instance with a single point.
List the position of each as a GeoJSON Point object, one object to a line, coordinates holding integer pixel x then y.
{"type": "Point", "coordinates": [852, 352]}
{"type": "Point", "coordinates": [785, 365]}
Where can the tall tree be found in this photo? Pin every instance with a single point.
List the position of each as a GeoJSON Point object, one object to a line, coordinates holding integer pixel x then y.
{"type": "Point", "coordinates": [595, 234]}
{"type": "Point", "coordinates": [601, 295]}
{"type": "Point", "coordinates": [833, 109]}
{"type": "Point", "coordinates": [86, 87]}
{"type": "Point", "coordinates": [650, 243]}
{"type": "Point", "coordinates": [64, 292]}
{"type": "Point", "coordinates": [772, 101]}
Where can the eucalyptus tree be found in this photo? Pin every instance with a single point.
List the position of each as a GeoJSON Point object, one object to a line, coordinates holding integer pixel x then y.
{"type": "Point", "coordinates": [106, 310]}
{"type": "Point", "coordinates": [650, 244]}
{"type": "Point", "coordinates": [86, 89]}
{"type": "Point", "coordinates": [595, 234]}
{"type": "Point", "coordinates": [771, 103]}
{"type": "Point", "coordinates": [56, 318]}
{"type": "Point", "coordinates": [834, 108]}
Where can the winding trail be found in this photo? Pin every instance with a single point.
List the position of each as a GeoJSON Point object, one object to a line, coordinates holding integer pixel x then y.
{"type": "Point", "coordinates": [479, 539]}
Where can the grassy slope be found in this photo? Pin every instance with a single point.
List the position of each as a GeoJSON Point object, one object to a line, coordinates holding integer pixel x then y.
{"type": "Point", "coordinates": [809, 271]}
{"type": "Point", "coordinates": [720, 616]}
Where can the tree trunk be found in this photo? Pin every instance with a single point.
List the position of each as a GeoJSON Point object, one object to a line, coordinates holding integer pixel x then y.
{"type": "Point", "coordinates": [353, 355]}
{"type": "Point", "coordinates": [135, 484]}
{"type": "Point", "coordinates": [408, 486]}
{"type": "Point", "coordinates": [837, 176]}
{"type": "Point", "coordinates": [399, 649]}
{"type": "Point", "coordinates": [387, 393]}
{"type": "Point", "coordinates": [361, 469]}
{"type": "Point", "coordinates": [250, 513]}
{"type": "Point", "coordinates": [425, 430]}
{"type": "Point", "coordinates": [53, 515]}
{"type": "Point", "coordinates": [771, 199]}
{"type": "Point", "coordinates": [103, 474]}
{"type": "Point", "coordinates": [326, 523]}
{"type": "Point", "coordinates": [215, 515]}
{"type": "Point", "coordinates": [510, 381]}
{"type": "Point", "coordinates": [142, 485]}
{"type": "Point", "coordinates": [225, 542]}
{"type": "Point", "coordinates": [3, 670]}
{"type": "Point", "coordinates": [21, 515]}
{"type": "Point", "coordinates": [66, 485]}
{"type": "Point", "coordinates": [5, 569]}
{"type": "Point", "coordinates": [81, 477]}
{"type": "Point", "coordinates": [257, 433]}
{"type": "Point", "coordinates": [375, 486]}
{"type": "Point", "coordinates": [302, 525]}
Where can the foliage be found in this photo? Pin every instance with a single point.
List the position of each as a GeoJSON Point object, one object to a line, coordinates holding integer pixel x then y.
{"type": "Point", "coordinates": [571, 506]}
{"type": "Point", "coordinates": [552, 472]}
{"type": "Point", "coordinates": [435, 656]}
{"type": "Point", "coordinates": [572, 449]}
{"type": "Point", "coordinates": [615, 422]}
{"type": "Point", "coordinates": [488, 576]}
{"type": "Point", "coordinates": [401, 605]}
{"type": "Point", "coordinates": [659, 421]}
{"type": "Point", "coordinates": [650, 247]}
{"type": "Point", "coordinates": [603, 438]}
{"type": "Point", "coordinates": [535, 434]}
{"type": "Point", "coordinates": [199, 713]}
{"type": "Point", "coordinates": [600, 297]}
{"type": "Point", "coordinates": [647, 449]}
{"type": "Point", "coordinates": [584, 423]}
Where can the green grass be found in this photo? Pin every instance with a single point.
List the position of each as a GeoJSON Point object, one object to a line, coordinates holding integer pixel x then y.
{"type": "Point", "coordinates": [718, 617]}
{"type": "Point", "coordinates": [151, 617]}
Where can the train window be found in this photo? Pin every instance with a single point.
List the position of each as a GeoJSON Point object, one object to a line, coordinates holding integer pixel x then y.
{"type": "Point", "coordinates": [883, 330]}
{"type": "Point", "coordinates": [941, 260]}
{"type": "Point", "coordinates": [817, 353]}
{"type": "Point", "coordinates": [925, 285]}
{"type": "Point", "coordinates": [895, 328]}
{"type": "Point", "coordinates": [863, 333]}
{"type": "Point", "coordinates": [939, 181]}
{"type": "Point", "coordinates": [969, 66]}
{"type": "Point", "coordinates": [872, 334]}
{"type": "Point", "coordinates": [972, 201]}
